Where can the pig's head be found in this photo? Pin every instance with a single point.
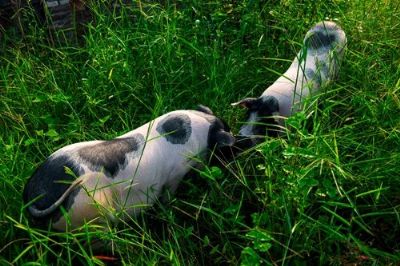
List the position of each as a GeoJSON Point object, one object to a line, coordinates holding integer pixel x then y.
{"type": "Point", "coordinates": [260, 119]}
{"type": "Point", "coordinates": [219, 134]}
{"type": "Point", "coordinates": [220, 139]}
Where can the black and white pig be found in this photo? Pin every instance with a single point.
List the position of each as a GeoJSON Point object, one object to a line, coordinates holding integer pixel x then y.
{"type": "Point", "coordinates": [95, 180]}
{"type": "Point", "coordinates": [314, 66]}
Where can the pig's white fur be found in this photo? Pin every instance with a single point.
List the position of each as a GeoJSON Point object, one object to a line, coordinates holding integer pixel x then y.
{"type": "Point", "coordinates": [160, 164]}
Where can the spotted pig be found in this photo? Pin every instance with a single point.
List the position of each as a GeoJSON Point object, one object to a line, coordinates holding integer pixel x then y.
{"type": "Point", "coordinates": [314, 66]}
{"type": "Point", "coordinates": [99, 181]}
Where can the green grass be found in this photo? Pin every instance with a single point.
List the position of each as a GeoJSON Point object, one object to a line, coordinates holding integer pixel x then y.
{"type": "Point", "coordinates": [326, 193]}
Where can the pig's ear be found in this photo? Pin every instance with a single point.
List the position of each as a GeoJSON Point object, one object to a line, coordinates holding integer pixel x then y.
{"type": "Point", "coordinates": [248, 103]}
{"type": "Point", "coordinates": [224, 139]}
{"type": "Point", "coordinates": [204, 109]}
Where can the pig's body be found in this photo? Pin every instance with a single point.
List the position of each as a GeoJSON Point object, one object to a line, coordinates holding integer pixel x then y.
{"type": "Point", "coordinates": [121, 176]}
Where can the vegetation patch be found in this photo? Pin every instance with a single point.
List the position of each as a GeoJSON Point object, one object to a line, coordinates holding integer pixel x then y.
{"type": "Point", "coordinates": [327, 192]}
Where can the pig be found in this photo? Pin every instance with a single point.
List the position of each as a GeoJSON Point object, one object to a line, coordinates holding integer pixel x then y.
{"type": "Point", "coordinates": [315, 65]}
{"type": "Point", "coordinates": [107, 180]}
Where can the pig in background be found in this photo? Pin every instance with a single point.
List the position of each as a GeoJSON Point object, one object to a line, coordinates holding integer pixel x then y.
{"type": "Point", "coordinates": [315, 65]}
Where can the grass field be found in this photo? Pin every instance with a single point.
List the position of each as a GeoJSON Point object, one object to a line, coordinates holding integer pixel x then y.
{"type": "Point", "coordinates": [328, 192]}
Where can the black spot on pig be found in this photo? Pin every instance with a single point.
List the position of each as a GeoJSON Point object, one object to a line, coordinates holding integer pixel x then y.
{"type": "Point", "coordinates": [176, 128]}
{"type": "Point", "coordinates": [320, 39]}
{"type": "Point", "coordinates": [110, 156]}
{"type": "Point", "coordinates": [48, 183]}
{"type": "Point", "coordinates": [216, 126]}
{"type": "Point", "coordinates": [312, 75]}
{"type": "Point", "coordinates": [264, 108]}
{"type": "Point", "coordinates": [268, 125]}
